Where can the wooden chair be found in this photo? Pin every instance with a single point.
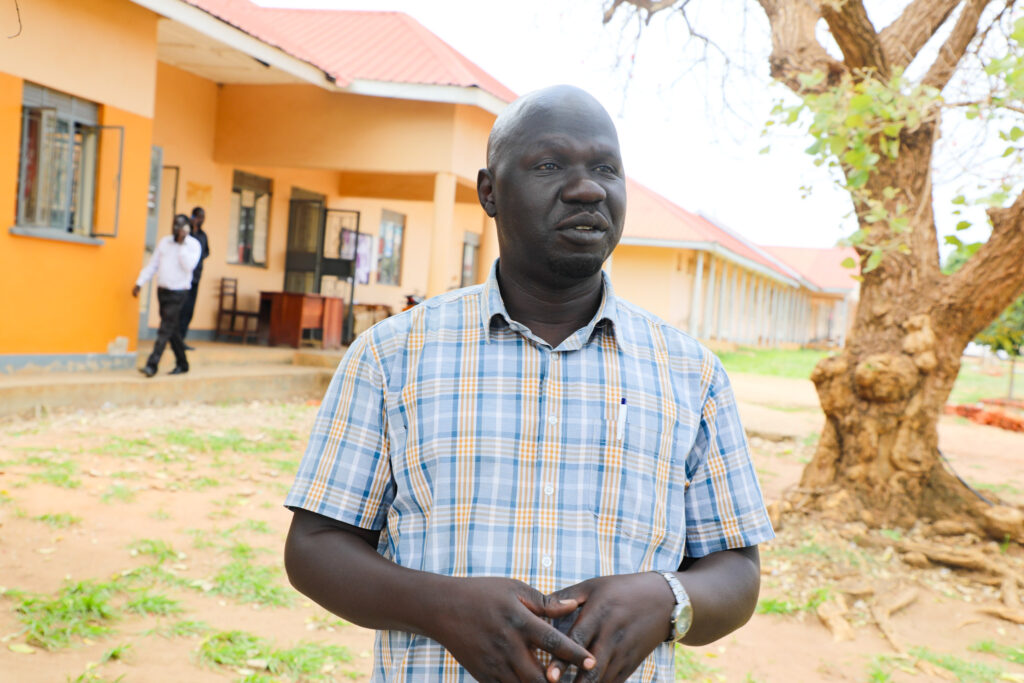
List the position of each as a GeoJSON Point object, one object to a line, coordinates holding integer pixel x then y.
{"type": "Point", "coordinates": [228, 314]}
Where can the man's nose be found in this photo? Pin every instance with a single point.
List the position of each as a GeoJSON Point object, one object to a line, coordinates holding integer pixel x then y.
{"type": "Point", "coordinates": [583, 189]}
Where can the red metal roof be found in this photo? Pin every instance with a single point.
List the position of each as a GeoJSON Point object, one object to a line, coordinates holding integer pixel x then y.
{"type": "Point", "coordinates": [822, 267]}
{"type": "Point", "coordinates": [357, 45]}
{"type": "Point", "coordinates": [644, 222]}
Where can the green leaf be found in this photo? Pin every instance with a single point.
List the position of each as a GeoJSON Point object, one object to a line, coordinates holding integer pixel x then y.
{"type": "Point", "coordinates": [890, 192]}
{"type": "Point", "coordinates": [963, 225]}
{"type": "Point", "coordinates": [873, 260]}
{"type": "Point", "coordinates": [959, 199]}
{"type": "Point", "coordinates": [765, 150]}
{"type": "Point", "coordinates": [954, 240]}
{"type": "Point", "coordinates": [857, 179]}
{"type": "Point", "coordinates": [810, 80]}
{"type": "Point", "coordinates": [848, 262]}
{"type": "Point", "coordinates": [861, 103]}
{"type": "Point", "coordinates": [1016, 133]}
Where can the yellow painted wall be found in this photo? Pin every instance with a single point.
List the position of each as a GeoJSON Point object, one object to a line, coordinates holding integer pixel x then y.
{"type": "Point", "coordinates": [298, 125]}
{"type": "Point", "coordinates": [647, 277]}
{"type": "Point", "coordinates": [99, 50]}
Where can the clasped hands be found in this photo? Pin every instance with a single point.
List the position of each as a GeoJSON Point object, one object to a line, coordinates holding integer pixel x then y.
{"type": "Point", "coordinates": [492, 626]}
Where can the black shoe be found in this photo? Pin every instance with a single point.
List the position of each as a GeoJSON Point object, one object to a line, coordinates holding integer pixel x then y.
{"type": "Point", "coordinates": [189, 348]}
{"type": "Point", "coordinates": [178, 370]}
{"type": "Point", "coordinates": [147, 370]}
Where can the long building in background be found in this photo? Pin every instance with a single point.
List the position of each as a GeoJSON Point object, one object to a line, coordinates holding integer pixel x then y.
{"type": "Point", "coordinates": [330, 149]}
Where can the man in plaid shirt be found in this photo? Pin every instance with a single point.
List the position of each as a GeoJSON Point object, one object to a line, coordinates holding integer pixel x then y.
{"type": "Point", "coordinates": [532, 479]}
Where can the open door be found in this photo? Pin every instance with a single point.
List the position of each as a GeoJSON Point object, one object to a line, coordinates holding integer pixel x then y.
{"type": "Point", "coordinates": [305, 246]}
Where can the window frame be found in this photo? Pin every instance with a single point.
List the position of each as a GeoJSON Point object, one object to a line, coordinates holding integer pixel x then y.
{"type": "Point", "coordinates": [79, 117]}
{"type": "Point", "coordinates": [392, 219]}
{"type": "Point", "coordinates": [260, 186]}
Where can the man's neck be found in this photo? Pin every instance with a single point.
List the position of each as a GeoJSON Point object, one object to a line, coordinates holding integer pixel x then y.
{"type": "Point", "coordinates": [552, 314]}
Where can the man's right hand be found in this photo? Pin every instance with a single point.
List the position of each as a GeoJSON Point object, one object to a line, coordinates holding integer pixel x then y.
{"type": "Point", "coordinates": [493, 625]}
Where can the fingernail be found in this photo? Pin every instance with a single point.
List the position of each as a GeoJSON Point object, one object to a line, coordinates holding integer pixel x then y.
{"type": "Point", "coordinates": [554, 674]}
{"type": "Point", "coordinates": [567, 602]}
{"type": "Point", "coordinates": [589, 663]}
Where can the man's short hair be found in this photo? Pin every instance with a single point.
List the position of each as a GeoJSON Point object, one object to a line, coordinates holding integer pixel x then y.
{"type": "Point", "coordinates": [198, 209]}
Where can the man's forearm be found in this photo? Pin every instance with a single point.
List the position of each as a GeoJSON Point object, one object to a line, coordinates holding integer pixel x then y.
{"type": "Point", "coordinates": [723, 589]}
{"type": "Point", "coordinates": [342, 572]}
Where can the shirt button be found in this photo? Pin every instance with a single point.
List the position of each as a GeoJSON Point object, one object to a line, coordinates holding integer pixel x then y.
{"type": "Point", "coordinates": [548, 489]}
{"type": "Point", "coordinates": [546, 561]}
{"type": "Point", "coordinates": [552, 420]}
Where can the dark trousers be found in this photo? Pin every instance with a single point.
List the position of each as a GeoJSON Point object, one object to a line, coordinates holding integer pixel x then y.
{"type": "Point", "coordinates": [171, 302]}
{"type": "Point", "coordinates": [188, 308]}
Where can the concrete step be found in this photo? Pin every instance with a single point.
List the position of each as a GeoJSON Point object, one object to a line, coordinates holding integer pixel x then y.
{"type": "Point", "coordinates": [224, 353]}
{"type": "Point", "coordinates": [37, 393]}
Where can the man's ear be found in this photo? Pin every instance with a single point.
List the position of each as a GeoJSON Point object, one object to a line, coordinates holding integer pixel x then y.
{"type": "Point", "coordinates": [485, 191]}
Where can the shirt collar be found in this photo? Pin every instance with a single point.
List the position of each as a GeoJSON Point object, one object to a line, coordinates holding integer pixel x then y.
{"type": "Point", "coordinates": [493, 310]}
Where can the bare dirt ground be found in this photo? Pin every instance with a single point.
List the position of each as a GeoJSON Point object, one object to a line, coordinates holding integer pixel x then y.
{"type": "Point", "coordinates": [146, 544]}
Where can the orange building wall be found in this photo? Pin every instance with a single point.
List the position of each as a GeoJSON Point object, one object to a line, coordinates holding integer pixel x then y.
{"type": "Point", "coordinates": [649, 277]}
{"type": "Point", "coordinates": [298, 125]}
{"type": "Point", "coordinates": [99, 50]}
{"type": "Point", "coordinates": [76, 297]}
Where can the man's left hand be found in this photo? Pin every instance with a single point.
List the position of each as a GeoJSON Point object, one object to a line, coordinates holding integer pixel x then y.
{"type": "Point", "coordinates": [622, 619]}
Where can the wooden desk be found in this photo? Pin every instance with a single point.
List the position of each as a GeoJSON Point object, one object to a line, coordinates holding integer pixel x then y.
{"type": "Point", "coordinates": [285, 314]}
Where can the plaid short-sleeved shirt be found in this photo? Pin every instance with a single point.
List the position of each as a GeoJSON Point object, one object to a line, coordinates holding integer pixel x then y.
{"type": "Point", "coordinates": [479, 450]}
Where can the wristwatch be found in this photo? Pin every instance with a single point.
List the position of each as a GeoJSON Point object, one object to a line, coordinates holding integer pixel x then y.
{"type": "Point", "coordinates": [682, 613]}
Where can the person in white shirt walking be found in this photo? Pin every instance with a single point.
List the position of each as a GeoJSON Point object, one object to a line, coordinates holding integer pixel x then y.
{"type": "Point", "coordinates": [173, 261]}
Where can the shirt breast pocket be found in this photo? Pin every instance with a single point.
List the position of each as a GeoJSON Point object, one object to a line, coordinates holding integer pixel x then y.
{"type": "Point", "coordinates": [630, 486]}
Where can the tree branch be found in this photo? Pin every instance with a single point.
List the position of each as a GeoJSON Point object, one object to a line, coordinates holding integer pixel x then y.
{"type": "Point", "coordinates": [849, 24]}
{"type": "Point", "coordinates": [903, 39]}
{"type": "Point", "coordinates": [991, 279]}
{"type": "Point", "coordinates": [955, 47]}
{"type": "Point", "coordinates": [795, 48]}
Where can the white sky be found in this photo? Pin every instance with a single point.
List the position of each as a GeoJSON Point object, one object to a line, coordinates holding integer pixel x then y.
{"type": "Point", "coordinates": [677, 136]}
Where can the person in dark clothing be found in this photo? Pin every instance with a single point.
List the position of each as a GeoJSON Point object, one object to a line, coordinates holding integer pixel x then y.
{"type": "Point", "coordinates": [189, 307]}
{"type": "Point", "coordinates": [173, 262]}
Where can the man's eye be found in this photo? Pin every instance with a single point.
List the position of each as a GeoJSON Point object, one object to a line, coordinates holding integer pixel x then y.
{"type": "Point", "coordinates": [547, 166]}
{"type": "Point", "coordinates": [606, 168]}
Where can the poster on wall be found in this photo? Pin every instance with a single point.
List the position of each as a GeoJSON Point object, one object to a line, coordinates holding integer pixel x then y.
{"type": "Point", "coordinates": [364, 259]}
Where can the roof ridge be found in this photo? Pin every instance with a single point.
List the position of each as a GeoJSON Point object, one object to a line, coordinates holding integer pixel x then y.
{"type": "Point", "coordinates": [440, 48]}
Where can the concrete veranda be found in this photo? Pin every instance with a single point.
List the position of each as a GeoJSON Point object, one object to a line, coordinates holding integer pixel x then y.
{"type": "Point", "coordinates": [218, 372]}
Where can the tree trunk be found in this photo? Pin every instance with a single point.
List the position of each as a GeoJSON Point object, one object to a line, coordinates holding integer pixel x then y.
{"type": "Point", "coordinates": [883, 395]}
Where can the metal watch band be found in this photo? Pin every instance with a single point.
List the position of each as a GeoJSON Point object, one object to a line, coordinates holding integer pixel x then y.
{"type": "Point", "coordinates": [682, 615]}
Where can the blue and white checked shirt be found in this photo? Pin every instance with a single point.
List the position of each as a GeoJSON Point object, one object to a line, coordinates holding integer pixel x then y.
{"type": "Point", "coordinates": [478, 450]}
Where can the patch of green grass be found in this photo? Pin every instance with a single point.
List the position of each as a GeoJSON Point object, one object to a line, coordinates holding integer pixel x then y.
{"type": "Point", "coordinates": [879, 671]}
{"type": "Point", "coordinates": [785, 607]}
{"type": "Point", "coordinates": [969, 672]}
{"type": "Point", "coordinates": [282, 465]}
{"type": "Point", "coordinates": [5, 498]}
{"type": "Point", "coordinates": [1007, 652]}
{"type": "Point", "coordinates": [203, 483]}
{"type": "Point", "coordinates": [154, 604]}
{"type": "Point", "coordinates": [796, 363]}
{"type": "Point", "coordinates": [1001, 487]}
{"type": "Point", "coordinates": [257, 657]}
{"type": "Point", "coordinates": [256, 525]}
{"type": "Point", "coordinates": [891, 534]}
{"type": "Point", "coordinates": [119, 447]}
{"type": "Point", "coordinates": [182, 628]}
{"type": "Point", "coordinates": [252, 583]}
{"type": "Point", "coordinates": [972, 384]}
{"type": "Point", "coordinates": [58, 520]}
{"type": "Point", "coordinates": [57, 472]}
{"type": "Point", "coordinates": [78, 610]}
{"type": "Point", "coordinates": [201, 539]}
{"type": "Point", "coordinates": [810, 440]}
{"type": "Point", "coordinates": [160, 515]}
{"type": "Point", "coordinates": [267, 441]}
{"type": "Point", "coordinates": [126, 474]}
{"type": "Point", "coordinates": [118, 493]}
{"type": "Point", "coordinates": [159, 549]}
{"type": "Point", "coordinates": [91, 675]}
{"type": "Point", "coordinates": [690, 667]}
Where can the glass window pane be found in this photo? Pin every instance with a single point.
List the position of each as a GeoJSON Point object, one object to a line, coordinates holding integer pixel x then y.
{"type": "Point", "coordinates": [259, 235]}
{"type": "Point", "coordinates": [83, 190]}
{"type": "Point", "coordinates": [233, 218]}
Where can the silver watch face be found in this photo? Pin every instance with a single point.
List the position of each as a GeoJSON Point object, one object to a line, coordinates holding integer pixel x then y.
{"type": "Point", "coordinates": [682, 619]}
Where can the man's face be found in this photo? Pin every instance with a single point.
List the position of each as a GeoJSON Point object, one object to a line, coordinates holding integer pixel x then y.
{"type": "Point", "coordinates": [559, 194]}
{"type": "Point", "coordinates": [197, 219]}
